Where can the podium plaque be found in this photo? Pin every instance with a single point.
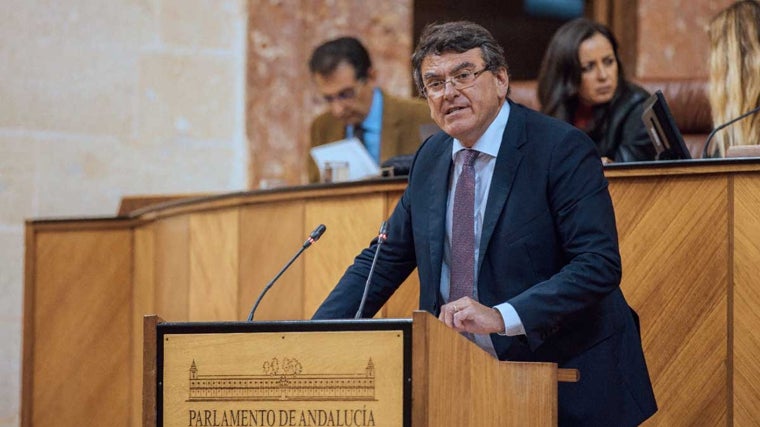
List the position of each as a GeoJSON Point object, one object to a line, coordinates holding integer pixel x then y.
{"type": "Point", "coordinates": [340, 373]}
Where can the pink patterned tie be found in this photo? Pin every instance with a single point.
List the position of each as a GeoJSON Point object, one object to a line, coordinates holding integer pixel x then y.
{"type": "Point", "coordinates": [463, 230]}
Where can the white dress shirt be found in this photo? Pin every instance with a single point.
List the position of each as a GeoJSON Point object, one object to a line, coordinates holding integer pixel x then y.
{"type": "Point", "coordinates": [488, 145]}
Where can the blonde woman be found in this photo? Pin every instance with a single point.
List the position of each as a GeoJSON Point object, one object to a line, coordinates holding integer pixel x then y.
{"type": "Point", "coordinates": [735, 75]}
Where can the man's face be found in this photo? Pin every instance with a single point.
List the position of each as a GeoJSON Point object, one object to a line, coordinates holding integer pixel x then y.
{"type": "Point", "coordinates": [467, 112]}
{"type": "Point", "coordinates": [349, 99]}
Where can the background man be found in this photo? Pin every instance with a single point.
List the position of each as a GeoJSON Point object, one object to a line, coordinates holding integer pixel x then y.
{"type": "Point", "coordinates": [509, 221]}
{"type": "Point", "coordinates": [388, 126]}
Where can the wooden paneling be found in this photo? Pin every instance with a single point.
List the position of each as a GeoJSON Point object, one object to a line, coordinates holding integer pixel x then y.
{"type": "Point", "coordinates": [674, 246]}
{"type": "Point", "coordinates": [746, 302]}
{"type": "Point", "coordinates": [172, 267]}
{"type": "Point", "coordinates": [81, 314]}
{"type": "Point", "coordinates": [407, 298]}
{"type": "Point", "coordinates": [352, 222]}
{"type": "Point", "coordinates": [213, 265]}
{"type": "Point", "coordinates": [270, 235]}
{"type": "Point", "coordinates": [453, 383]}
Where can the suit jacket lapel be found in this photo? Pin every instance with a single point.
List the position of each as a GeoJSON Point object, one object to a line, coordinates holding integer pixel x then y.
{"type": "Point", "coordinates": [507, 163]}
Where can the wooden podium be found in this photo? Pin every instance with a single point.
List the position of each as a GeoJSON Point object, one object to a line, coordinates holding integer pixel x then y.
{"type": "Point", "coordinates": [386, 372]}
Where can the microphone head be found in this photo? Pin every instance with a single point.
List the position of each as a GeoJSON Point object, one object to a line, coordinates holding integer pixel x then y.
{"type": "Point", "coordinates": [313, 237]}
{"type": "Point", "coordinates": [317, 233]}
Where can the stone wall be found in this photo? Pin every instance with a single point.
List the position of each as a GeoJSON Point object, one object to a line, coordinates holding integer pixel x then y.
{"type": "Point", "coordinates": [102, 99]}
{"type": "Point", "coordinates": [672, 37]}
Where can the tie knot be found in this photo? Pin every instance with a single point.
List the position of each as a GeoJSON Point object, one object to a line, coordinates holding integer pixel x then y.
{"type": "Point", "coordinates": [469, 156]}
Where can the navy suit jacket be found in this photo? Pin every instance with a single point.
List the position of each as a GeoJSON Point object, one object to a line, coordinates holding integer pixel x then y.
{"type": "Point", "coordinates": [548, 247]}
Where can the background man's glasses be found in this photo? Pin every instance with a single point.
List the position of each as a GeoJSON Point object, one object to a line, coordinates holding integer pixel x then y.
{"type": "Point", "coordinates": [348, 94]}
{"type": "Point", "coordinates": [462, 80]}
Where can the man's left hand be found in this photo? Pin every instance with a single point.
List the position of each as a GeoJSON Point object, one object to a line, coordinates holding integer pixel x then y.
{"type": "Point", "coordinates": [468, 315]}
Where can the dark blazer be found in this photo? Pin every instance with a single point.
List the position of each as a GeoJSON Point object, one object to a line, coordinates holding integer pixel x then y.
{"type": "Point", "coordinates": [621, 135]}
{"type": "Point", "coordinates": [548, 247]}
{"type": "Point", "coordinates": [400, 134]}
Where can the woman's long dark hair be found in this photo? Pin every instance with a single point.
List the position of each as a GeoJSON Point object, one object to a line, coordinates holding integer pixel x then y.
{"type": "Point", "coordinates": [559, 79]}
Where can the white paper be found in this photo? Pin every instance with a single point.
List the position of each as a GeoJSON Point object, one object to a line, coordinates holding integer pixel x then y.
{"type": "Point", "coordinates": [360, 163]}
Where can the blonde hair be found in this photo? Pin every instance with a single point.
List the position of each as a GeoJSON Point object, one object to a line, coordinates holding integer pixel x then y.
{"type": "Point", "coordinates": [735, 74]}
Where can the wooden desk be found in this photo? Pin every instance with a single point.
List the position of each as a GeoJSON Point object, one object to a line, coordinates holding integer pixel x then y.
{"type": "Point", "coordinates": [689, 236]}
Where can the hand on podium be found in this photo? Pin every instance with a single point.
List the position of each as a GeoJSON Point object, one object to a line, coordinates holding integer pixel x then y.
{"type": "Point", "coordinates": [468, 315]}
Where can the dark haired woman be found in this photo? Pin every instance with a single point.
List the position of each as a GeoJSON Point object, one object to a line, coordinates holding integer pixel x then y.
{"type": "Point", "coordinates": [581, 81]}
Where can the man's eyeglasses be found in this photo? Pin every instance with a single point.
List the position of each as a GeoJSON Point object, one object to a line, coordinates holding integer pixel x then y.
{"type": "Point", "coordinates": [462, 80]}
{"type": "Point", "coordinates": [344, 95]}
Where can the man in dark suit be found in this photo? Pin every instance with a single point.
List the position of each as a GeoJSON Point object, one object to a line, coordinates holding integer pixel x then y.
{"type": "Point", "coordinates": [543, 263]}
{"type": "Point", "coordinates": [387, 125]}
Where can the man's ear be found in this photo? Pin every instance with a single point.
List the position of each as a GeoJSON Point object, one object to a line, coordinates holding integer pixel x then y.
{"type": "Point", "coordinates": [502, 76]}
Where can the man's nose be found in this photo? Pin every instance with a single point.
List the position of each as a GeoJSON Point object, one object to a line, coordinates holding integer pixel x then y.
{"type": "Point", "coordinates": [337, 107]}
{"type": "Point", "coordinates": [449, 90]}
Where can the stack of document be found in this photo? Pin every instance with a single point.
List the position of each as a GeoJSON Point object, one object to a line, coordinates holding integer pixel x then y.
{"type": "Point", "coordinates": [361, 165]}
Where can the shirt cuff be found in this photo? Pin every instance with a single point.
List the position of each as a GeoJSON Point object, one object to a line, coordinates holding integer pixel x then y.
{"type": "Point", "coordinates": [512, 324]}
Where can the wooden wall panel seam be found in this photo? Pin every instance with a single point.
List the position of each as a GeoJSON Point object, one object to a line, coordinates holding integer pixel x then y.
{"type": "Point", "coordinates": [28, 332]}
{"type": "Point", "coordinates": [731, 229]}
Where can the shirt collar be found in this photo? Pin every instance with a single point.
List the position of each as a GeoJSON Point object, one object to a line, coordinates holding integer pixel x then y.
{"type": "Point", "coordinates": [490, 142]}
{"type": "Point", "coordinates": [374, 119]}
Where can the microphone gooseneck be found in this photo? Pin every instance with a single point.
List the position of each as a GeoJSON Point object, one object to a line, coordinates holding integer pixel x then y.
{"type": "Point", "coordinates": [313, 237]}
{"type": "Point", "coordinates": [728, 123]}
{"type": "Point", "coordinates": [381, 237]}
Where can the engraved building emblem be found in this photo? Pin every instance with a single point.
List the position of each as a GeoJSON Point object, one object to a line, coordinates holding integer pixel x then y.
{"type": "Point", "coordinates": [283, 380]}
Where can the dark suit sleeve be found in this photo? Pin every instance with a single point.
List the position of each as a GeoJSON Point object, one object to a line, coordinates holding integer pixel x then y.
{"type": "Point", "coordinates": [584, 225]}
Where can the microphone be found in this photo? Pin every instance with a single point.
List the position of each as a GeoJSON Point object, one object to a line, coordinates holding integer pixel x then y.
{"type": "Point", "coordinates": [313, 237]}
{"type": "Point", "coordinates": [381, 237]}
{"type": "Point", "coordinates": [730, 122]}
